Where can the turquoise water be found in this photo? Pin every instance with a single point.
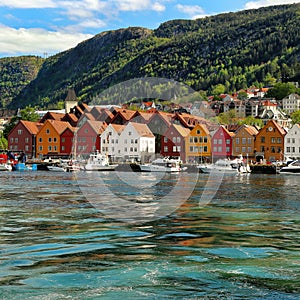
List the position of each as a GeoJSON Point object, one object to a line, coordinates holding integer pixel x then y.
{"type": "Point", "coordinates": [55, 244]}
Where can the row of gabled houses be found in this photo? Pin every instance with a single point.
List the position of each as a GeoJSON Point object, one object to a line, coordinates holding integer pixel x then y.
{"type": "Point", "coordinates": [126, 134]}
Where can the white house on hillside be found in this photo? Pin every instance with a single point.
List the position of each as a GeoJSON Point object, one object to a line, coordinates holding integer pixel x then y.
{"type": "Point", "coordinates": [291, 103]}
{"type": "Point", "coordinates": [292, 142]}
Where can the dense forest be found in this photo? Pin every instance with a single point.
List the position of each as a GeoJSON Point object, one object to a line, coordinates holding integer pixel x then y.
{"type": "Point", "coordinates": [226, 53]}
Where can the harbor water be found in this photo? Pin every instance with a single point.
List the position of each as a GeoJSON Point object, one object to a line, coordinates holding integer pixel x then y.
{"type": "Point", "coordinates": [65, 236]}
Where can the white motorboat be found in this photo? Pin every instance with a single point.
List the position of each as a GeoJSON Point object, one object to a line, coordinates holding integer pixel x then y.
{"type": "Point", "coordinates": [227, 166]}
{"type": "Point", "coordinates": [99, 162]}
{"type": "Point", "coordinates": [5, 167]}
{"type": "Point", "coordinates": [165, 164]}
{"type": "Point", "coordinates": [292, 168]}
{"type": "Point", "coordinates": [65, 166]}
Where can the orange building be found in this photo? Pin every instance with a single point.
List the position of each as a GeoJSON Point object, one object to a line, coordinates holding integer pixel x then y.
{"type": "Point", "coordinates": [269, 143]}
{"type": "Point", "coordinates": [243, 141]}
{"type": "Point", "coordinates": [198, 144]}
{"type": "Point", "coordinates": [48, 139]}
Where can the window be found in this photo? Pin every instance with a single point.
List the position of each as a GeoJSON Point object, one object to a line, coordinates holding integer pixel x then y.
{"type": "Point", "coordinates": [48, 131]}
{"type": "Point", "coordinates": [237, 149]}
{"type": "Point", "coordinates": [288, 140]}
{"type": "Point", "coordinates": [244, 149]}
{"type": "Point", "coordinates": [215, 149]}
{"type": "Point", "coordinates": [165, 148]}
{"type": "Point", "coordinates": [262, 139]}
{"type": "Point", "coordinates": [55, 149]}
{"type": "Point", "coordinates": [215, 141]}
{"type": "Point", "coordinates": [262, 149]}
{"type": "Point", "coordinates": [200, 139]}
{"type": "Point", "coordinates": [16, 140]}
{"type": "Point", "coordinates": [135, 149]}
{"type": "Point", "coordinates": [227, 141]}
{"type": "Point", "coordinates": [165, 139]}
{"type": "Point", "coordinates": [219, 149]}
{"type": "Point", "coordinates": [129, 133]}
{"type": "Point", "coordinates": [27, 140]}
{"type": "Point", "coordinates": [195, 139]}
{"type": "Point", "coordinates": [273, 140]}
{"type": "Point", "coordinates": [49, 148]}
{"type": "Point", "coordinates": [125, 149]}
{"type": "Point", "coordinates": [244, 140]}
{"type": "Point", "coordinates": [40, 140]}
{"type": "Point", "coordinates": [86, 130]}
{"type": "Point", "coordinates": [191, 140]}
{"type": "Point", "coordinates": [227, 149]}
{"type": "Point", "coordinates": [174, 148]}
{"type": "Point", "coordinates": [131, 149]}
{"type": "Point", "coordinates": [62, 148]}
{"type": "Point", "coordinates": [249, 149]}
{"type": "Point", "coordinates": [249, 141]}
{"type": "Point", "coordinates": [178, 148]}
{"type": "Point", "coordinates": [198, 131]}
{"type": "Point", "coordinates": [279, 140]}
{"type": "Point", "coordinates": [293, 141]}
{"type": "Point", "coordinates": [50, 140]}
{"type": "Point", "coordinates": [135, 141]}
{"type": "Point", "coordinates": [237, 141]}
{"type": "Point", "coordinates": [178, 139]}
{"type": "Point", "coordinates": [20, 131]}
{"type": "Point", "coordinates": [26, 148]}
{"type": "Point", "coordinates": [174, 139]}
{"type": "Point", "coordinates": [220, 141]}
{"type": "Point", "coordinates": [205, 149]}
{"type": "Point", "coordinates": [11, 140]}
{"type": "Point", "coordinates": [293, 149]}
{"type": "Point", "coordinates": [288, 149]}
{"type": "Point", "coordinates": [94, 140]}
{"type": "Point", "coordinates": [205, 139]}
{"type": "Point", "coordinates": [62, 140]}
{"type": "Point", "coordinates": [40, 148]}
{"type": "Point", "coordinates": [191, 149]}
{"type": "Point", "coordinates": [273, 149]}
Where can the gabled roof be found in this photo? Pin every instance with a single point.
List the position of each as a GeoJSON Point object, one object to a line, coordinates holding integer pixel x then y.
{"type": "Point", "coordinates": [277, 126]}
{"type": "Point", "coordinates": [145, 115]}
{"type": "Point", "coordinates": [184, 132]}
{"type": "Point", "coordinates": [117, 128]}
{"type": "Point", "coordinates": [32, 127]}
{"type": "Point", "coordinates": [59, 126]}
{"type": "Point", "coordinates": [250, 129]}
{"type": "Point", "coordinates": [52, 116]}
{"type": "Point", "coordinates": [97, 126]}
{"type": "Point", "coordinates": [142, 129]}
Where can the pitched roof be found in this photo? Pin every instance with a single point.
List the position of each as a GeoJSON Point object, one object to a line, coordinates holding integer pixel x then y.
{"type": "Point", "coordinates": [118, 128]}
{"type": "Point", "coordinates": [98, 126]}
{"type": "Point", "coordinates": [182, 130]}
{"type": "Point", "coordinates": [32, 127]}
{"type": "Point", "coordinates": [142, 129]}
{"type": "Point", "coordinates": [59, 126]}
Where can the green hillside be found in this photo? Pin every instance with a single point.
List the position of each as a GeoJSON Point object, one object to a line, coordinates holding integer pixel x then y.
{"type": "Point", "coordinates": [15, 74]}
{"type": "Point", "coordinates": [237, 50]}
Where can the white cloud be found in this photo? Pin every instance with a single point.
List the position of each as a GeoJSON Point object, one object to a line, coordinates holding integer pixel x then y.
{"type": "Point", "coordinates": [36, 41]}
{"type": "Point", "coordinates": [28, 3]}
{"type": "Point", "coordinates": [262, 3]}
{"type": "Point", "coordinates": [193, 11]}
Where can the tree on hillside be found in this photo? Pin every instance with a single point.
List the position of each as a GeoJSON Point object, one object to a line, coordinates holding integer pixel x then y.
{"type": "Point", "coordinates": [250, 120]}
{"type": "Point", "coordinates": [227, 118]}
{"type": "Point", "coordinates": [281, 90]}
{"type": "Point", "coordinates": [295, 116]}
{"type": "Point", "coordinates": [26, 114]}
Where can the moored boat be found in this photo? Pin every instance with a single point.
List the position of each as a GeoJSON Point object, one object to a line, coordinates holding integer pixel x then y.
{"type": "Point", "coordinates": [165, 164]}
{"type": "Point", "coordinates": [292, 168]}
{"type": "Point", "coordinates": [99, 162]}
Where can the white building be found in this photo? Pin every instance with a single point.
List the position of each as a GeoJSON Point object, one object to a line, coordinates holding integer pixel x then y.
{"type": "Point", "coordinates": [292, 143]}
{"type": "Point", "coordinates": [291, 103]}
{"type": "Point", "coordinates": [110, 140]}
{"type": "Point", "coordinates": [136, 141]}
{"type": "Point", "coordinates": [127, 142]}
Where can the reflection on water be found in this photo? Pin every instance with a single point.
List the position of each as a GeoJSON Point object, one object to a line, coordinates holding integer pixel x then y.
{"type": "Point", "coordinates": [54, 244]}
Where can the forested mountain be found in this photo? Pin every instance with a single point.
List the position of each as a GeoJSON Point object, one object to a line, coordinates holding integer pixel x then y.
{"type": "Point", "coordinates": [15, 74]}
{"type": "Point", "coordinates": [237, 50]}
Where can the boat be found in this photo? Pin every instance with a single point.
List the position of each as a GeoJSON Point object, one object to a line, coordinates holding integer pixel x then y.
{"type": "Point", "coordinates": [65, 166]}
{"type": "Point", "coordinates": [227, 166]}
{"type": "Point", "coordinates": [5, 167]}
{"type": "Point", "coordinates": [292, 168]}
{"type": "Point", "coordinates": [99, 162]}
{"type": "Point", "coordinates": [165, 164]}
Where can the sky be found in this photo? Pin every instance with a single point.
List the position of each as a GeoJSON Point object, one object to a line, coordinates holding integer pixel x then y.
{"type": "Point", "coordinates": [47, 27]}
